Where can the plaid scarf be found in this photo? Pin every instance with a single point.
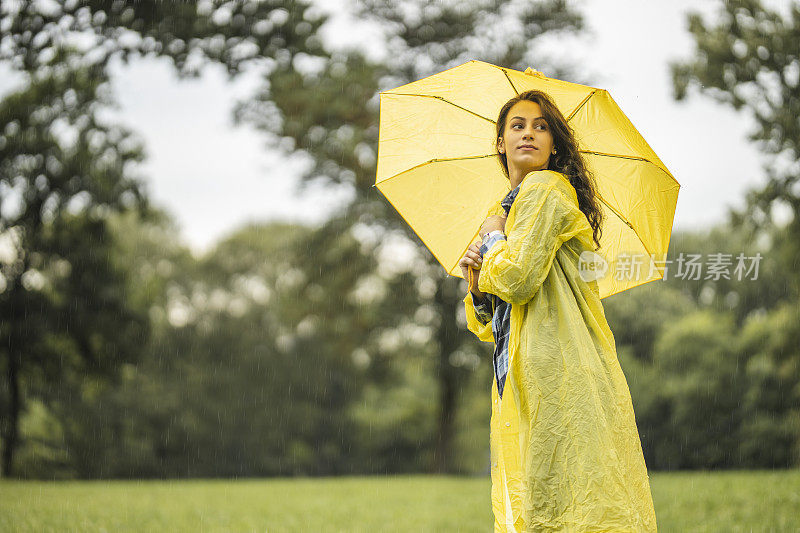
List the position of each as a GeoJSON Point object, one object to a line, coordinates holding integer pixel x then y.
{"type": "Point", "coordinates": [497, 310]}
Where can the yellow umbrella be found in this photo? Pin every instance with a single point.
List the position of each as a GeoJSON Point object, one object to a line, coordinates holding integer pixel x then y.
{"type": "Point", "coordinates": [438, 167]}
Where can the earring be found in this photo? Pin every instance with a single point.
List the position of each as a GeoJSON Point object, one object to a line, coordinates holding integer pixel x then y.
{"type": "Point", "coordinates": [554, 152]}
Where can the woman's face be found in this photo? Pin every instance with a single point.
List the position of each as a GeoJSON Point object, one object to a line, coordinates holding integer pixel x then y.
{"type": "Point", "coordinates": [526, 141]}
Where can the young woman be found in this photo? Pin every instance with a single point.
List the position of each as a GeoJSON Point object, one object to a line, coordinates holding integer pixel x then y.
{"type": "Point", "coordinates": [565, 451]}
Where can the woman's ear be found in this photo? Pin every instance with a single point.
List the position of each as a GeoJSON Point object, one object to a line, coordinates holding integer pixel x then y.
{"type": "Point", "coordinates": [501, 146]}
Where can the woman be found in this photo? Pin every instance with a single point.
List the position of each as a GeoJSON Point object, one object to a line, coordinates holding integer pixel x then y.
{"type": "Point", "coordinates": [565, 451]}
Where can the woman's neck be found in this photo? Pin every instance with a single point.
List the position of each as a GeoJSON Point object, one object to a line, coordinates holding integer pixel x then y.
{"type": "Point", "coordinates": [515, 175]}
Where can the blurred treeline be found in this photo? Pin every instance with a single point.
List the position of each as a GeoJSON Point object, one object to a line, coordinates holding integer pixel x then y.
{"type": "Point", "coordinates": [296, 350]}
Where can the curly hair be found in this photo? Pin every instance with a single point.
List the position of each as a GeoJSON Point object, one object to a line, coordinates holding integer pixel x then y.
{"type": "Point", "coordinates": [568, 160]}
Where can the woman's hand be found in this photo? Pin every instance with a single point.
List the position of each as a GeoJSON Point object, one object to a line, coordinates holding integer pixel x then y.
{"type": "Point", "coordinates": [472, 259]}
{"type": "Point", "coordinates": [494, 222]}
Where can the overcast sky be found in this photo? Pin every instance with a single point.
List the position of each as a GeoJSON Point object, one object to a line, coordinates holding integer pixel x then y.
{"type": "Point", "coordinates": [214, 177]}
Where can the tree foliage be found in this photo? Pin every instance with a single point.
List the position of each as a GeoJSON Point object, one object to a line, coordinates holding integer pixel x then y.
{"type": "Point", "coordinates": [191, 34]}
{"type": "Point", "coordinates": [748, 57]}
{"type": "Point", "coordinates": [62, 169]}
{"type": "Point", "coordinates": [60, 161]}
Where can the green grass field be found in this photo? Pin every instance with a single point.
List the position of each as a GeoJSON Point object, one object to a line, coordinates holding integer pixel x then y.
{"type": "Point", "coordinates": [685, 501]}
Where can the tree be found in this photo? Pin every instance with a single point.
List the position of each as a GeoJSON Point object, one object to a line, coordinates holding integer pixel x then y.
{"type": "Point", "coordinates": [330, 114]}
{"type": "Point", "coordinates": [58, 158]}
{"type": "Point", "coordinates": [771, 399]}
{"type": "Point", "coordinates": [118, 426]}
{"type": "Point", "coordinates": [65, 169]}
{"type": "Point", "coordinates": [747, 58]}
{"type": "Point", "coordinates": [700, 371]}
{"type": "Point", "coordinates": [748, 279]}
{"type": "Point", "coordinates": [636, 323]}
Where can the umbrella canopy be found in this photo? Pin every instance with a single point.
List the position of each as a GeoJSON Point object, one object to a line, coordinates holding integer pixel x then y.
{"type": "Point", "coordinates": [438, 166]}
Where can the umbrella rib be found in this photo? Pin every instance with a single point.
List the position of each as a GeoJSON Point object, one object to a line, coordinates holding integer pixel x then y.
{"type": "Point", "coordinates": [583, 102]}
{"type": "Point", "coordinates": [435, 160]}
{"type": "Point", "coordinates": [509, 81]}
{"type": "Point", "coordinates": [603, 154]}
{"type": "Point", "coordinates": [445, 100]}
{"type": "Point", "coordinates": [632, 157]}
{"type": "Point", "coordinates": [464, 251]}
{"type": "Point", "coordinates": [623, 219]}
{"type": "Point", "coordinates": [414, 230]}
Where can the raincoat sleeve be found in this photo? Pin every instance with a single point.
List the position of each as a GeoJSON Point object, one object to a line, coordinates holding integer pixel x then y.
{"type": "Point", "coordinates": [544, 218]}
{"type": "Point", "coordinates": [481, 329]}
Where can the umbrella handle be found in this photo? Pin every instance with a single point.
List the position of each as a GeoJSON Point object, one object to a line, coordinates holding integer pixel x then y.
{"type": "Point", "coordinates": [473, 279]}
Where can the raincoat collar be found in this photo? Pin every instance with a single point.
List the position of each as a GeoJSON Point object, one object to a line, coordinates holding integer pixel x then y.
{"type": "Point", "coordinates": [562, 183]}
{"type": "Point", "coordinates": [567, 187]}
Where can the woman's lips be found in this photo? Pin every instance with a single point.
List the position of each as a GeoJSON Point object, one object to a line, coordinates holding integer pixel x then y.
{"type": "Point", "coordinates": [528, 148]}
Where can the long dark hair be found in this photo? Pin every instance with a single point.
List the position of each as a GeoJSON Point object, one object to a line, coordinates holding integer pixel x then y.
{"type": "Point", "coordinates": [568, 160]}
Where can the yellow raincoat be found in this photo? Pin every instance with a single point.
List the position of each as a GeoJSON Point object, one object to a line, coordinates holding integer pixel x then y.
{"type": "Point", "coordinates": [565, 450]}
